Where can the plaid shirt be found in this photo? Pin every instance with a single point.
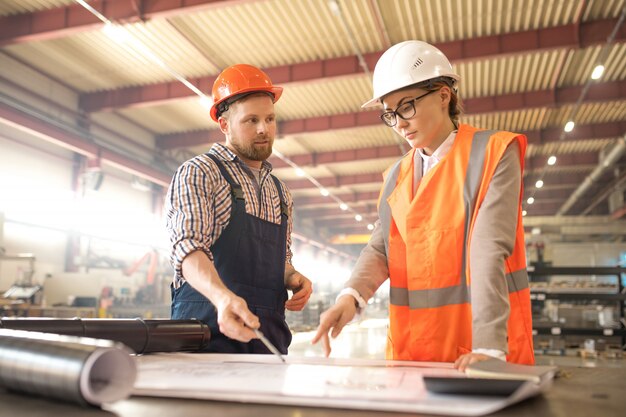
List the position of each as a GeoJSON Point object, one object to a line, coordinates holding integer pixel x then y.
{"type": "Point", "coordinates": [198, 203]}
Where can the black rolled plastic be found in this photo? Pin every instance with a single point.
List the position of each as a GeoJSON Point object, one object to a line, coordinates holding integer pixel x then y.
{"type": "Point", "coordinates": [142, 336]}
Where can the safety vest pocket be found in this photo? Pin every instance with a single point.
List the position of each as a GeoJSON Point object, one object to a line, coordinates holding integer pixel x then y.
{"type": "Point", "coordinates": [444, 253]}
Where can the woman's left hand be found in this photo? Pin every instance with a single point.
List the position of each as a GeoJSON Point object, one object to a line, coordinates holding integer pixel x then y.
{"type": "Point", "coordinates": [467, 359]}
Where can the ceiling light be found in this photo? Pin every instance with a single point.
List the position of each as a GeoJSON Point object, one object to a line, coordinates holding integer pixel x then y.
{"type": "Point", "coordinates": [358, 217]}
{"type": "Point", "coordinates": [524, 212]}
{"type": "Point", "coordinates": [343, 206]}
{"type": "Point", "coordinates": [324, 192]}
{"type": "Point", "coordinates": [552, 160]}
{"type": "Point", "coordinates": [539, 184]}
{"type": "Point", "coordinates": [206, 102]}
{"type": "Point", "coordinates": [370, 226]}
{"type": "Point", "coordinates": [334, 7]}
{"type": "Point", "coordinates": [116, 32]}
{"type": "Point", "coordinates": [569, 126]}
{"type": "Point", "coordinates": [530, 200]}
{"type": "Point", "coordinates": [300, 172]}
{"type": "Point", "coordinates": [597, 72]}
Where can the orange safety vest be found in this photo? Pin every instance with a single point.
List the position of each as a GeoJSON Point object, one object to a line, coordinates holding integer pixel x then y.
{"type": "Point", "coordinates": [430, 310]}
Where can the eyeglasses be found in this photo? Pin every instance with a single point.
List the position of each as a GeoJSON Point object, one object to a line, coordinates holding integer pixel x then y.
{"type": "Point", "coordinates": [404, 111]}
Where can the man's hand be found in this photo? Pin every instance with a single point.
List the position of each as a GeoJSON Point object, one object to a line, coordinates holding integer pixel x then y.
{"type": "Point", "coordinates": [234, 318]}
{"type": "Point", "coordinates": [334, 318]}
{"type": "Point", "coordinates": [469, 358]}
{"type": "Point", "coordinates": [302, 289]}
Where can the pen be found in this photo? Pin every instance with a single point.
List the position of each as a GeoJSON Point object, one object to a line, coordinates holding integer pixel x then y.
{"type": "Point", "coordinates": [268, 344]}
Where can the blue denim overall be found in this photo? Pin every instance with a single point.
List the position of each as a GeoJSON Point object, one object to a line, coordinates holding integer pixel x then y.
{"type": "Point", "coordinates": [249, 256]}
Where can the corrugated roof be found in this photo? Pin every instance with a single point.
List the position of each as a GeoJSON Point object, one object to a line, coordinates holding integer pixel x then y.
{"type": "Point", "coordinates": [526, 89]}
{"type": "Point", "coordinates": [12, 7]}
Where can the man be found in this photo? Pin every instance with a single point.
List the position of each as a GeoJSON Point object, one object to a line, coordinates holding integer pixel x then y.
{"type": "Point", "coordinates": [230, 224]}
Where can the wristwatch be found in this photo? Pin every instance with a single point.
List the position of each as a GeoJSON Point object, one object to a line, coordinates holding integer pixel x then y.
{"type": "Point", "coordinates": [359, 302]}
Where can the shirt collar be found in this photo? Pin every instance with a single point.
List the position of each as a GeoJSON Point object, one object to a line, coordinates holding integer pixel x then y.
{"type": "Point", "coordinates": [225, 154]}
{"type": "Point", "coordinates": [441, 151]}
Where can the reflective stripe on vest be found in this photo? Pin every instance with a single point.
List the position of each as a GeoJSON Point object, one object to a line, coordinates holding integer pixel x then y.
{"type": "Point", "coordinates": [438, 297]}
{"type": "Point", "coordinates": [458, 294]}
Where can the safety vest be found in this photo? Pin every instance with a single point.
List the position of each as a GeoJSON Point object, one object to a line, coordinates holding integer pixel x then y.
{"type": "Point", "coordinates": [427, 239]}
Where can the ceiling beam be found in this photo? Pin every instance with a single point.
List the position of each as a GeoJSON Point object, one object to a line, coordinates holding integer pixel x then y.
{"type": "Point", "coordinates": [345, 197]}
{"type": "Point", "coordinates": [74, 18]}
{"type": "Point", "coordinates": [540, 193]}
{"type": "Point", "coordinates": [335, 212]}
{"type": "Point", "coordinates": [582, 158]}
{"type": "Point", "coordinates": [551, 188]}
{"type": "Point", "coordinates": [591, 131]}
{"type": "Point", "coordinates": [305, 204]}
{"type": "Point", "coordinates": [335, 223]}
{"type": "Point", "coordinates": [510, 102]}
{"type": "Point", "coordinates": [366, 202]}
{"type": "Point", "coordinates": [566, 36]}
{"type": "Point", "coordinates": [54, 134]}
{"type": "Point", "coordinates": [334, 182]}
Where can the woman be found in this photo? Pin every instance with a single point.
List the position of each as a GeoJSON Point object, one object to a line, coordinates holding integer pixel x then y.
{"type": "Point", "coordinates": [450, 234]}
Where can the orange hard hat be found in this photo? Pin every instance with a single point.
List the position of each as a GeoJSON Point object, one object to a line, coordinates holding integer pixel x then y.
{"type": "Point", "coordinates": [239, 79]}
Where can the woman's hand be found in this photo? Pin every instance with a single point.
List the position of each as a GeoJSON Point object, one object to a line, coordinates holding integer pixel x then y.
{"type": "Point", "coordinates": [334, 318]}
{"type": "Point", "coordinates": [469, 358]}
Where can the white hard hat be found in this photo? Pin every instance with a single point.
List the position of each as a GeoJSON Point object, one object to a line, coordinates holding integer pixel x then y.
{"type": "Point", "coordinates": [405, 64]}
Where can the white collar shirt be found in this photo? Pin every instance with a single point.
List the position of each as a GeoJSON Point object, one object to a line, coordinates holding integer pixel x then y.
{"type": "Point", "coordinates": [429, 162]}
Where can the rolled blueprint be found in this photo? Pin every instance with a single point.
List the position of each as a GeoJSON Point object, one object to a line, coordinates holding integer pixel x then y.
{"type": "Point", "coordinates": [75, 369]}
{"type": "Point", "coordinates": [142, 336]}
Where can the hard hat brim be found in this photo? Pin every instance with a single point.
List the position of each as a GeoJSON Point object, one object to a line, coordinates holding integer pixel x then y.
{"type": "Point", "coordinates": [275, 91]}
{"type": "Point", "coordinates": [371, 103]}
{"type": "Point", "coordinates": [374, 102]}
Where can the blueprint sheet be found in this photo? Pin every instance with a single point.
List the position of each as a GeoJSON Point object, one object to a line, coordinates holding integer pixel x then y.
{"type": "Point", "coordinates": [317, 382]}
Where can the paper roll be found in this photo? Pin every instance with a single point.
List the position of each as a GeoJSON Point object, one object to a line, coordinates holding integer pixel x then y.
{"type": "Point", "coordinates": [68, 368]}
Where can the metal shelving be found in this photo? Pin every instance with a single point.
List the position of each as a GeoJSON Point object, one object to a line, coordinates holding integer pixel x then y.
{"type": "Point", "coordinates": [615, 295]}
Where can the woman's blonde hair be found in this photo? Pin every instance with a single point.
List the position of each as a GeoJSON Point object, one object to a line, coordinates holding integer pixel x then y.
{"type": "Point", "coordinates": [455, 107]}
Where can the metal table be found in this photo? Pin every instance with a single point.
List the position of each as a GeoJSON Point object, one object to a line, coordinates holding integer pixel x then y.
{"type": "Point", "coordinates": [578, 392]}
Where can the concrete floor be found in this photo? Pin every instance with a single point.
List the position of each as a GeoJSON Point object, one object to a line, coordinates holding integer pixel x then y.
{"type": "Point", "coordinates": [367, 338]}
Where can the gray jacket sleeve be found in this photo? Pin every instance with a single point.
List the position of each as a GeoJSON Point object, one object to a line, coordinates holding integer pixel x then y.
{"type": "Point", "coordinates": [491, 242]}
{"type": "Point", "coordinates": [371, 268]}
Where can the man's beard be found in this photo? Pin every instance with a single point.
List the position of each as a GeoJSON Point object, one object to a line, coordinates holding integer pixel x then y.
{"type": "Point", "coordinates": [252, 152]}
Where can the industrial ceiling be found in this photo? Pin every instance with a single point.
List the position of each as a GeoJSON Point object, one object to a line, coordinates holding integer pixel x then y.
{"type": "Point", "coordinates": [135, 73]}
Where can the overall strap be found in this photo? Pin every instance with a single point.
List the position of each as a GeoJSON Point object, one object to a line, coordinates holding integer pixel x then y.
{"type": "Point", "coordinates": [284, 210]}
{"type": "Point", "coordinates": [235, 188]}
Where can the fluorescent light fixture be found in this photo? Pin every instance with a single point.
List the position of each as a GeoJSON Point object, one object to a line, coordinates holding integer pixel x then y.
{"type": "Point", "coordinates": [597, 72]}
{"type": "Point", "coordinates": [206, 101]}
{"type": "Point", "coordinates": [116, 32]}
